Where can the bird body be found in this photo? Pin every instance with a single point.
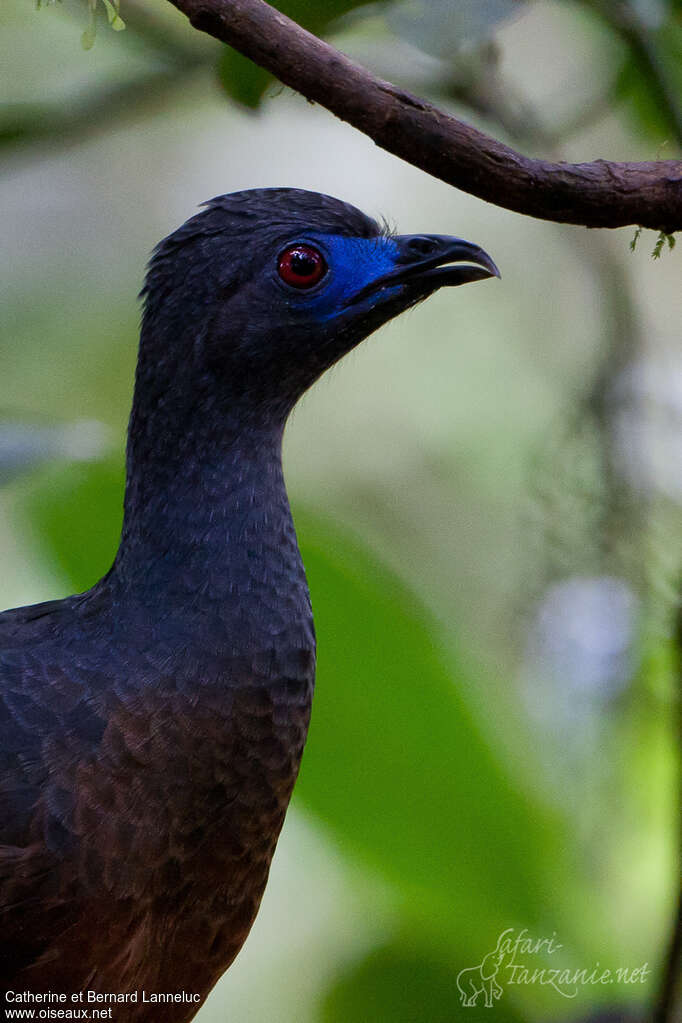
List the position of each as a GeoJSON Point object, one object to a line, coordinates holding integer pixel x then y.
{"type": "Point", "coordinates": [155, 750]}
{"type": "Point", "coordinates": [151, 729]}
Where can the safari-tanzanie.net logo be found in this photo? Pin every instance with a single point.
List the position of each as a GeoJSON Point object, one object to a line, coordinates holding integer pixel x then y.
{"type": "Point", "coordinates": [520, 959]}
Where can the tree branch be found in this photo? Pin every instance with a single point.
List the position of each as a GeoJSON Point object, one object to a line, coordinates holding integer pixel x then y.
{"type": "Point", "coordinates": [597, 194]}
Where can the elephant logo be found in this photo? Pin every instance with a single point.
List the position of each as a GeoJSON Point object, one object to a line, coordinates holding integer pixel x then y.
{"type": "Point", "coordinates": [480, 980]}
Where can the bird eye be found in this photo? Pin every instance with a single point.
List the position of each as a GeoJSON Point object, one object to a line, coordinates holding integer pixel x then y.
{"type": "Point", "coordinates": [301, 266]}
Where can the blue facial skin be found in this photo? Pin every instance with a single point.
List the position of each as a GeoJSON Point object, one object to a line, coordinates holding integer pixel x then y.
{"type": "Point", "coordinates": [352, 264]}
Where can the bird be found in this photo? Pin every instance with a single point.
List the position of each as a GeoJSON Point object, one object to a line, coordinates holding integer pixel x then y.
{"type": "Point", "coordinates": [152, 727]}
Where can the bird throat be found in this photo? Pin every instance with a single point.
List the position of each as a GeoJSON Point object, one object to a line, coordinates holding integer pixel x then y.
{"type": "Point", "coordinates": [208, 540]}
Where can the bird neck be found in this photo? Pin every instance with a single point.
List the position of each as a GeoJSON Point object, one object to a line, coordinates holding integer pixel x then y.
{"type": "Point", "coordinates": [207, 518]}
{"type": "Point", "coordinates": [208, 547]}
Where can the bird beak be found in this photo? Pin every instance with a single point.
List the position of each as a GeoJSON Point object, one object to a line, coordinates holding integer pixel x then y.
{"type": "Point", "coordinates": [427, 262]}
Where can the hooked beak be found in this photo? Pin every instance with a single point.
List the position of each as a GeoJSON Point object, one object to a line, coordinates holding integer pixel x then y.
{"type": "Point", "coordinates": [427, 262]}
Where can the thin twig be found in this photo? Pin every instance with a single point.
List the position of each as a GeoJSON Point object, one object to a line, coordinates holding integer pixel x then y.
{"type": "Point", "coordinates": [597, 194]}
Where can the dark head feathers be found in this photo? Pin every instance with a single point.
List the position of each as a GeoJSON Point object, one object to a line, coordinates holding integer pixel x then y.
{"type": "Point", "coordinates": [292, 207]}
{"type": "Point", "coordinates": [260, 215]}
{"type": "Point", "coordinates": [271, 211]}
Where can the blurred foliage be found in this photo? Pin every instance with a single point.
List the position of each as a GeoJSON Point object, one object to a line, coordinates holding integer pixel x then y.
{"type": "Point", "coordinates": [634, 88]}
{"type": "Point", "coordinates": [113, 15]}
{"type": "Point", "coordinates": [244, 81]}
{"type": "Point", "coordinates": [662, 240]}
{"type": "Point", "coordinates": [388, 699]}
{"type": "Point", "coordinates": [442, 28]}
{"type": "Point", "coordinates": [77, 513]}
{"type": "Point", "coordinates": [397, 984]}
{"type": "Point", "coordinates": [114, 18]}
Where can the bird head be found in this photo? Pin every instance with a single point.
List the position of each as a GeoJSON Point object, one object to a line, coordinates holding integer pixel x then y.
{"type": "Point", "coordinates": [261, 292]}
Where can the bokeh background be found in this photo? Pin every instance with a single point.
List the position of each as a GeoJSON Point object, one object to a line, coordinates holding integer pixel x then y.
{"type": "Point", "coordinates": [487, 492]}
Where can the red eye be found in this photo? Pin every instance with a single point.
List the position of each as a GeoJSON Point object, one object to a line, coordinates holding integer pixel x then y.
{"type": "Point", "coordinates": [301, 266]}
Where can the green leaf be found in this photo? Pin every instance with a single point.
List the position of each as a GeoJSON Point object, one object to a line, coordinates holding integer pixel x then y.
{"type": "Point", "coordinates": [661, 241]}
{"type": "Point", "coordinates": [634, 90]}
{"type": "Point", "coordinates": [76, 513]}
{"type": "Point", "coordinates": [243, 81]}
{"type": "Point", "coordinates": [89, 35]}
{"type": "Point", "coordinates": [113, 17]}
{"type": "Point", "coordinates": [397, 768]}
{"type": "Point", "coordinates": [403, 983]}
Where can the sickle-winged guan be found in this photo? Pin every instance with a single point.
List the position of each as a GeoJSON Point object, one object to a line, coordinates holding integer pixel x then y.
{"type": "Point", "coordinates": [151, 728]}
